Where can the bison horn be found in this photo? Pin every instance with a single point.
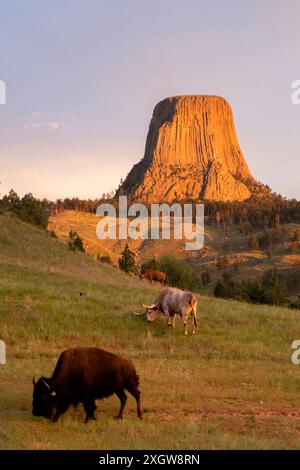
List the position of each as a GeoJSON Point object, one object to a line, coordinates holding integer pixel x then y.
{"type": "Point", "coordinates": [33, 381]}
{"type": "Point", "coordinates": [47, 385]}
{"type": "Point", "coordinates": [149, 306]}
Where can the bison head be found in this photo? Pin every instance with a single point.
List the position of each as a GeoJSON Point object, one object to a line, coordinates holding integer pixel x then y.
{"type": "Point", "coordinates": [151, 312]}
{"type": "Point", "coordinates": [43, 402]}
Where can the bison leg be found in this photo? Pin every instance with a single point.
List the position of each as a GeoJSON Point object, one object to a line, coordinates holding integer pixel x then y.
{"type": "Point", "coordinates": [123, 398]}
{"type": "Point", "coordinates": [61, 408]}
{"type": "Point", "coordinates": [137, 395]}
{"type": "Point", "coordinates": [89, 407]}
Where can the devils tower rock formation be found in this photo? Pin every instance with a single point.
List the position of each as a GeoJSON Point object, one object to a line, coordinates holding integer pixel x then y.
{"type": "Point", "coordinates": [192, 152]}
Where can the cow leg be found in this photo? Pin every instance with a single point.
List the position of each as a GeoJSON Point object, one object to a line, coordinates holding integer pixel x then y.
{"type": "Point", "coordinates": [194, 323]}
{"type": "Point", "coordinates": [123, 398]}
{"type": "Point", "coordinates": [184, 320]}
{"type": "Point", "coordinates": [167, 315]}
{"type": "Point", "coordinates": [61, 408]}
{"type": "Point", "coordinates": [171, 321]}
{"type": "Point", "coordinates": [137, 395]}
{"type": "Point", "coordinates": [89, 407]}
{"type": "Point", "coordinates": [194, 315]}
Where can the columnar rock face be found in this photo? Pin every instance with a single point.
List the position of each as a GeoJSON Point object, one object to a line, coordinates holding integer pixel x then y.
{"type": "Point", "coordinates": [192, 152]}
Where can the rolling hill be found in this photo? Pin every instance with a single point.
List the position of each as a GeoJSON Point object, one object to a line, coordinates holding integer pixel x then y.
{"type": "Point", "coordinates": [229, 241]}
{"type": "Point", "coordinates": [231, 386]}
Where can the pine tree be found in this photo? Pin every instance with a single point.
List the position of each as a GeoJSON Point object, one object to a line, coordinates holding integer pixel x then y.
{"type": "Point", "coordinates": [206, 278]}
{"type": "Point", "coordinates": [274, 286]}
{"type": "Point", "coordinates": [253, 243]}
{"type": "Point", "coordinates": [276, 233]}
{"type": "Point", "coordinates": [127, 261]}
{"type": "Point", "coordinates": [296, 236]}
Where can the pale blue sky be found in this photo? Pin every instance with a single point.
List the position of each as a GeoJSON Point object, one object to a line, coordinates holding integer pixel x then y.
{"type": "Point", "coordinates": [83, 77]}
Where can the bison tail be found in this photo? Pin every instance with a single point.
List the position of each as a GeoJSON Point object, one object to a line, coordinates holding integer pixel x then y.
{"type": "Point", "coordinates": [193, 303]}
{"type": "Point", "coordinates": [133, 381]}
{"type": "Point", "coordinates": [193, 299]}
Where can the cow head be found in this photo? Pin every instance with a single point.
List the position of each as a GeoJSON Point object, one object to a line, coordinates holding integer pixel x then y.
{"type": "Point", "coordinates": [151, 312]}
{"type": "Point", "coordinates": [44, 399]}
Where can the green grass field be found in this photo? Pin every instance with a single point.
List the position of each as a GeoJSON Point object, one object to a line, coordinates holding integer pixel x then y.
{"type": "Point", "coordinates": [231, 386]}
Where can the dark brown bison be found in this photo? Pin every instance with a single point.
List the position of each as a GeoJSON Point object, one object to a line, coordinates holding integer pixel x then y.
{"type": "Point", "coordinates": [153, 275]}
{"type": "Point", "coordinates": [83, 375]}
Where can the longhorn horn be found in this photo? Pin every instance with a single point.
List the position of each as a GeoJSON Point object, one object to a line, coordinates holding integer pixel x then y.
{"type": "Point", "coordinates": [47, 385]}
{"type": "Point", "coordinates": [149, 306]}
{"type": "Point", "coordinates": [138, 314]}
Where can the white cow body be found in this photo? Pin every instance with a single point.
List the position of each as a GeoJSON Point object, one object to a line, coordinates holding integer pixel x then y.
{"type": "Point", "coordinates": [172, 301]}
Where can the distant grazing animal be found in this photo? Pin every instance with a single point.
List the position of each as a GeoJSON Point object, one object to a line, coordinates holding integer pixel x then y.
{"type": "Point", "coordinates": [154, 275]}
{"type": "Point", "coordinates": [83, 375]}
{"type": "Point", "coordinates": [171, 301]}
{"type": "Point", "coordinates": [81, 294]}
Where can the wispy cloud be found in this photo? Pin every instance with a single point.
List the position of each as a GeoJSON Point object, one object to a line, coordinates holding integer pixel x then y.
{"type": "Point", "coordinates": [45, 124]}
{"type": "Point", "coordinates": [32, 125]}
{"type": "Point", "coordinates": [52, 125]}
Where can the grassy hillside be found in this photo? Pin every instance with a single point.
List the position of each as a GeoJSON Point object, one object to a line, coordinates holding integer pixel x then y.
{"type": "Point", "coordinates": [231, 386]}
{"type": "Point", "coordinates": [85, 225]}
{"type": "Point", "coordinates": [229, 241]}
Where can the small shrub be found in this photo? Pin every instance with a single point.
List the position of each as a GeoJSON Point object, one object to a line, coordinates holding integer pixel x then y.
{"type": "Point", "coordinates": [52, 234]}
{"type": "Point", "coordinates": [75, 242]}
{"type": "Point", "coordinates": [104, 259]}
{"type": "Point", "coordinates": [272, 289]}
{"type": "Point", "coordinates": [293, 248]}
{"type": "Point", "coordinates": [179, 273]}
